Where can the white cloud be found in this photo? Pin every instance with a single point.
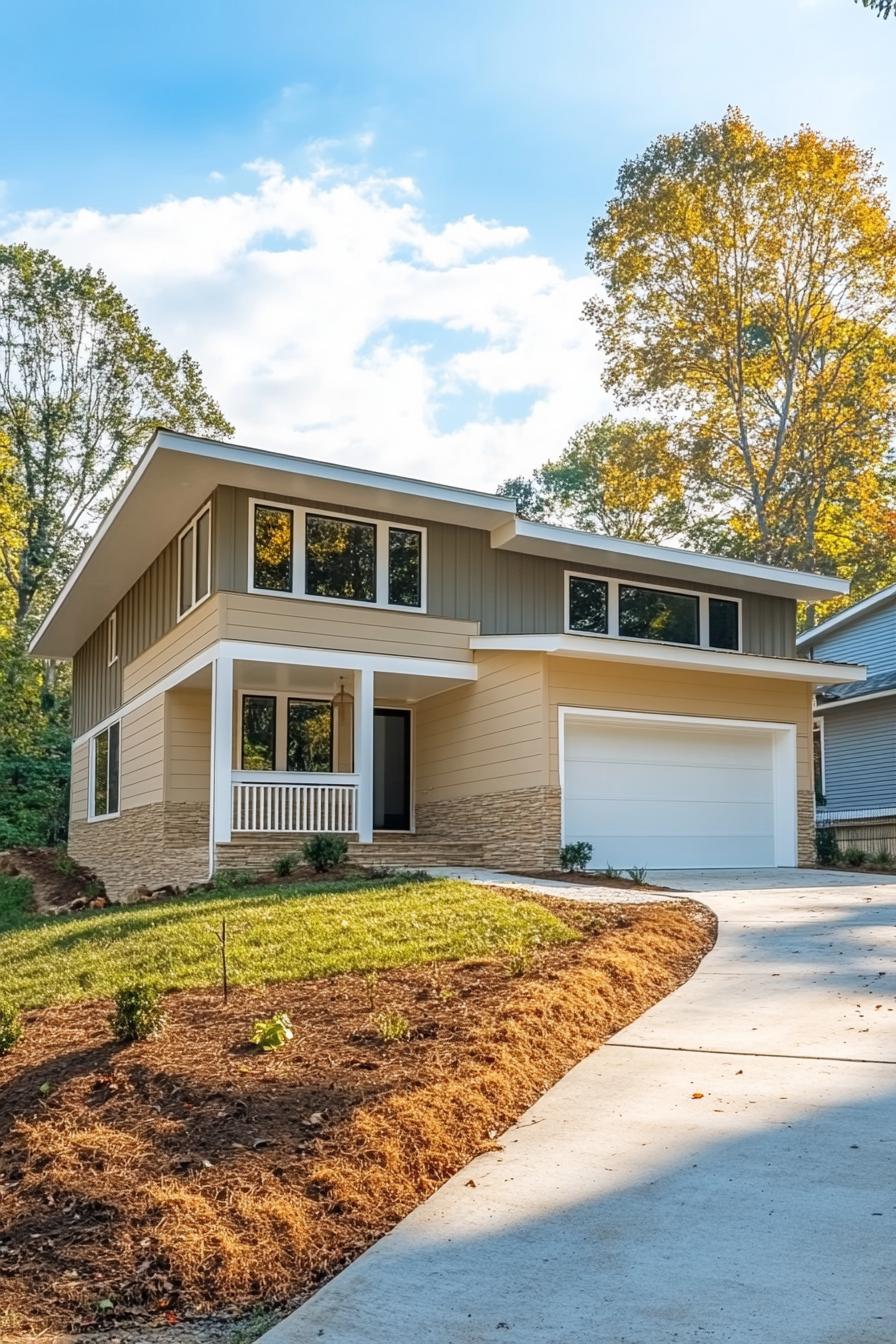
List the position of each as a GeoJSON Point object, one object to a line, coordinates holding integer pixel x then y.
{"type": "Point", "coordinates": [332, 320]}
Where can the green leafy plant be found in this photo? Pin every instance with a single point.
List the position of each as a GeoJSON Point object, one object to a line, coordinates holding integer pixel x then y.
{"type": "Point", "coordinates": [638, 875]}
{"type": "Point", "coordinates": [881, 858]}
{"type": "Point", "coordinates": [610, 871]}
{"type": "Point", "coordinates": [854, 856]}
{"type": "Point", "coordinates": [575, 857]}
{"type": "Point", "coordinates": [284, 864]}
{"type": "Point", "coordinates": [64, 863]}
{"type": "Point", "coordinates": [324, 852]}
{"type": "Point", "coordinates": [391, 1025]}
{"type": "Point", "coordinates": [10, 1028]}
{"type": "Point", "coordinates": [138, 1013]}
{"type": "Point", "coordinates": [270, 1033]}
{"type": "Point", "coordinates": [518, 961]}
{"type": "Point", "coordinates": [229, 879]}
{"type": "Point", "coordinates": [827, 850]}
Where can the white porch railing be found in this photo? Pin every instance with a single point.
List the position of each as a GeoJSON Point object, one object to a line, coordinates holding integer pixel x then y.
{"type": "Point", "coordinates": [270, 801]}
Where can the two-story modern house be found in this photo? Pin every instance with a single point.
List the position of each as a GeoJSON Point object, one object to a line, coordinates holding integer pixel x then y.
{"type": "Point", "coordinates": [855, 723]}
{"type": "Point", "coordinates": [266, 646]}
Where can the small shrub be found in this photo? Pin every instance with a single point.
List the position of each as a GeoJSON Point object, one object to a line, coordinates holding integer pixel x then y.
{"type": "Point", "coordinates": [64, 863]}
{"type": "Point", "coordinates": [610, 871]}
{"type": "Point", "coordinates": [638, 875]}
{"type": "Point", "coordinates": [324, 852]}
{"type": "Point", "coordinates": [827, 851]}
{"type": "Point", "coordinates": [392, 1025]}
{"type": "Point", "coordinates": [138, 1013]}
{"type": "Point", "coordinates": [10, 1029]}
{"type": "Point", "coordinates": [273, 1032]}
{"type": "Point", "coordinates": [284, 864]}
{"type": "Point", "coordinates": [575, 857]}
{"type": "Point", "coordinates": [228, 879]}
{"type": "Point", "coordinates": [882, 858]}
{"type": "Point", "coordinates": [518, 961]}
{"type": "Point", "coordinates": [853, 856]}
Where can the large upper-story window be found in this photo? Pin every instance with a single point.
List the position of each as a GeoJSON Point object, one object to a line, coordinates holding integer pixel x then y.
{"type": "Point", "coordinates": [194, 559]}
{"type": "Point", "coordinates": [599, 606]}
{"type": "Point", "coordinates": [327, 557]}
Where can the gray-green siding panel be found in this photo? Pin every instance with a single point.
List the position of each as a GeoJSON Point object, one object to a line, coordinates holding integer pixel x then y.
{"type": "Point", "coordinates": [860, 755]}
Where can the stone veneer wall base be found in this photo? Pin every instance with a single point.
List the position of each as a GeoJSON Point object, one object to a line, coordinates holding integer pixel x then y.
{"type": "Point", "coordinates": [158, 845]}
{"type": "Point", "coordinates": [517, 828]}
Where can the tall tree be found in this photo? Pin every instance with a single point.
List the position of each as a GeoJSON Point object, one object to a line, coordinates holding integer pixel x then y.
{"type": "Point", "coordinates": [748, 297]}
{"type": "Point", "coordinates": [619, 477]}
{"type": "Point", "coordinates": [82, 385]}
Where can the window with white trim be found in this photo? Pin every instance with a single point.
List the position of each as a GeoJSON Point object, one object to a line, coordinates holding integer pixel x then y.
{"type": "Point", "coordinates": [279, 731]}
{"type": "Point", "coordinates": [105, 772]}
{"type": "Point", "coordinates": [112, 639]}
{"type": "Point", "coordinates": [194, 561]}
{"type": "Point", "coordinates": [309, 553]}
{"type": "Point", "coordinates": [818, 761]}
{"type": "Point", "coordinates": [633, 610]}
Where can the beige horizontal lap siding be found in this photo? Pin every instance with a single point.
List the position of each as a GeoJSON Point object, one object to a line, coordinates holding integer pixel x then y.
{"type": "Point", "coordinates": [187, 745]}
{"type": "Point", "coordinates": [143, 755]}
{"type": "Point", "coordinates": [190, 636]}
{"type": "Point", "coordinates": [80, 781]}
{"type": "Point", "coordinates": [334, 625]}
{"type": "Point", "coordinates": [486, 737]}
{"type": "Point", "coordinates": [646, 690]}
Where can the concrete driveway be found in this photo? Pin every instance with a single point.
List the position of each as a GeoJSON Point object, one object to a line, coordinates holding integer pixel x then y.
{"type": "Point", "coordinates": [625, 1209]}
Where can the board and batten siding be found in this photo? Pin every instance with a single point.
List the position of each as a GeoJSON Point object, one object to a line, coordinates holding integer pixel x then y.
{"type": "Point", "coordinates": [869, 639]}
{"type": "Point", "coordinates": [486, 737]}
{"type": "Point", "coordinates": [146, 613]}
{"type": "Point", "coordinates": [190, 636]}
{"type": "Point", "coordinates": [505, 592]}
{"type": "Point", "coordinates": [860, 754]}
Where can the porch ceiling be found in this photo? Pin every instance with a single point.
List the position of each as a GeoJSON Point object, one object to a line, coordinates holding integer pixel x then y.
{"type": "Point", "coordinates": [298, 679]}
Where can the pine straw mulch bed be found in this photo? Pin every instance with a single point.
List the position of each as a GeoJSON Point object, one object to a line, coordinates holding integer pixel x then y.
{"type": "Point", "coordinates": [191, 1174]}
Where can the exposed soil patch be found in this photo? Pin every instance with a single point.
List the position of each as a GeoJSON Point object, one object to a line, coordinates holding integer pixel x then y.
{"type": "Point", "coordinates": [162, 1181]}
{"type": "Point", "coordinates": [57, 882]}
{"type": "Point", "coordinates": [592, 880]}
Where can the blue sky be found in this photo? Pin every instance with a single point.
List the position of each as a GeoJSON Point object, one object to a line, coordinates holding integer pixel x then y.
{"type": "Point", "coordinates": [457, 354]}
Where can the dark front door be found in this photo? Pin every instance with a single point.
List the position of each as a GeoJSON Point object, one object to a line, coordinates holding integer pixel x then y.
{"type": "Point", "coordinates": [391, 769]}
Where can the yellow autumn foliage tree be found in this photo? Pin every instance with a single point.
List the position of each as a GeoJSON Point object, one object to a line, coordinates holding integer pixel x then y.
{"type": "Point", "coordinates": [748, 301]}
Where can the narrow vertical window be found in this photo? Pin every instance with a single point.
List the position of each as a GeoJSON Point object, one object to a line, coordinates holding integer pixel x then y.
{"type": "Point", "coordinates": [405, 548]}
{"type": "Point", "coordinates": [194, 562]}
{"type": "Point", "coordinates": [724, 624]}
{"type": "Point", "coordinates": [106, 772]}
{"type": "Point", "coordinates": [259, 732]}
{"type": "Point", "coordinates": [112, 639]}
{"type": "Point", "coordinates": [588, 605]}
{"type": "Point", "coordinates": [272, 549]}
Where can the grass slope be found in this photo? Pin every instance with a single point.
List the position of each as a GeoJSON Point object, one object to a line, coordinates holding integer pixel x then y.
{"type": "Point", "coordinates": [274, 934]}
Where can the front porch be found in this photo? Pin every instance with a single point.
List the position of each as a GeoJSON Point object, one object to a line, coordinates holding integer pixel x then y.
{"type": "Point", "coordinates": [306, 741]}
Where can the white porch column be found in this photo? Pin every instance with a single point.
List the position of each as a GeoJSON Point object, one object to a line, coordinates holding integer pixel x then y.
{"type": "Point", "coordinates": [222, 751]}
{"type": "Point", "coordinates": [363, 694]}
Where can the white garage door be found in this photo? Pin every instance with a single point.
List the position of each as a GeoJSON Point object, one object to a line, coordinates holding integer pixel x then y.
{"type": "Point", "coordinates": [665, 795]}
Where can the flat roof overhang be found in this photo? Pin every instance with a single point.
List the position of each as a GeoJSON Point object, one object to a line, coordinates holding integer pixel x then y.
{"type": "Point", "coordinates": [178, 472]}
{"type": "Point", "coordinates": [673, 563]}
{"type": "Point", "coordinates": [609, 648]}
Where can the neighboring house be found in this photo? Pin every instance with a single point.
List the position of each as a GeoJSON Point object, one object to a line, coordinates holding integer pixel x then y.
{"type": "Point", "coordinates": [266, 646]}
{"type": "Point", "coordinates": [855, 723]}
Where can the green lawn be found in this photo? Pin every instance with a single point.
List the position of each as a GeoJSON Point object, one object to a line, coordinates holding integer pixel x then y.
{"type": "Point", "coordinates": [274, 933]}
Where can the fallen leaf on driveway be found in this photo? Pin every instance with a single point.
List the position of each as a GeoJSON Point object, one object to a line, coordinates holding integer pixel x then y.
{"type": "Point", "coordinates": [695, 1096]}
